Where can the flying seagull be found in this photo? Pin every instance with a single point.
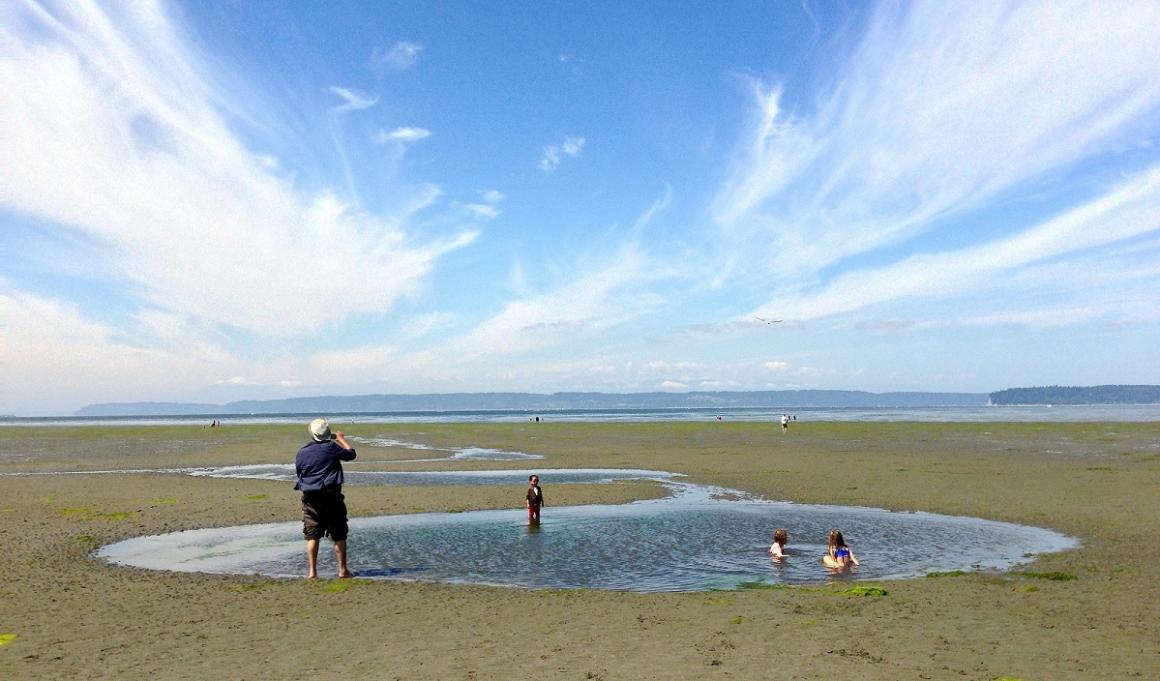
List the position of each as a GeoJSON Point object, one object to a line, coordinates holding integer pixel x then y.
{"type": "Point", "coordinates": [767, 321]}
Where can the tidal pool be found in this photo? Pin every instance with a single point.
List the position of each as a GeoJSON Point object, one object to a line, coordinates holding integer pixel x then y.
{"type": "Point", "coordinates": [699, 538]}
{"type": "Point", "coordinates": [455, 454]}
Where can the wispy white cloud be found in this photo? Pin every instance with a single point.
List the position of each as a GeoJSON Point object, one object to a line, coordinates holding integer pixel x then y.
{"type": "Point", "coordinates": [347, 363]}
{"type": "Point", "coordinates": [602, 289]}
{"type": "Point", "coordinates": [46, 342]}
{"type": "Point", "coordinates": [517, 280]}
{"type": "Point", "coordinates": [713, 384]}
{"type": "Point", "coordinates": [555, 153]}
{"type": "Point", "coordinates": [662, 365]}
{"type": "Point", "coordinates": [592, 299]}
{"type": "Point", "coordinates": [352, 100]}
{"type": "Point", "coordinates": [112, 132]}
{"type": "Point", "coordinates": [402, 134]}
{"type": "Point", "coordinates": [940, 108]}
{"type": "Point", "coordinates": [488, 206]}
{"type": "Point", "coordinates": [428, 323]}
{"type": "Point", "coordinates": [398, 57]}
{"type": "Point", "coordinates": [483, 210]}
{"type": "Point", "coordinates": [1128, 211]}
{"type": "Point", "coordinates": [235, 380]}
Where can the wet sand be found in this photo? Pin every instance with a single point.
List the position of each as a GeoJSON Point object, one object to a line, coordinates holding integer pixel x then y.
{"type": "Point", "coordinates": [1082, 614]}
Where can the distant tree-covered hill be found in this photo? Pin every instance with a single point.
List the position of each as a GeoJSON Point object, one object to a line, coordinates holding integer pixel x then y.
{"type": "Point", "coordinates": [545, 402]}
{"type": "Point", "coordinates": [1068, 394]}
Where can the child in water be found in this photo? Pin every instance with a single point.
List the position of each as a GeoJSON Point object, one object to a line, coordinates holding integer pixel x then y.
{"type": "Point", "coordinates": [535, 499]}
{"type": "Point", "coordinates": [777, 549]}
{"type": "Point", "coordinates": [838, 555]}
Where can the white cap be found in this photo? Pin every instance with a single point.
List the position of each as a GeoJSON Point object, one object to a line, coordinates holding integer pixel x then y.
{"type": "Point", "coordinates": [320, 430]}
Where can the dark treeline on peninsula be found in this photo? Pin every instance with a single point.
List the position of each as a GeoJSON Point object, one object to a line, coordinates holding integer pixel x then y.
{"type": "Point", "coordinates": [1066, 394]}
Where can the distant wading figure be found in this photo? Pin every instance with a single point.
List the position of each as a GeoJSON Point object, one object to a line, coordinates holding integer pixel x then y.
{"type": "Point", "coordinates": [535, 499]}
{"type": "Point", "coordinates": [319, 470]}
{"type": "Point", "coordinates": [838, 555]}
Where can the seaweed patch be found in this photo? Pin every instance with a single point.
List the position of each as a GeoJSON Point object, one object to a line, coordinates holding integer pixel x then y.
{"type": "Point", "coordinates": [89, 513]}
{"type": "Point", "coordinates": [764, 586]}
{"type": "Point", "coordinates": [1053, 576]}
{"type": "Point", "coordinates": [337, 586]}
{"type": "Point", "coordinates": [255, 586]}
{"type": "Point", "coordinates": [864, 591]}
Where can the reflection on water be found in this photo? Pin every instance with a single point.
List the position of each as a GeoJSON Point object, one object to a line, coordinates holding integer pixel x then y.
{"type": "Point", "coordinates": [694, 540]}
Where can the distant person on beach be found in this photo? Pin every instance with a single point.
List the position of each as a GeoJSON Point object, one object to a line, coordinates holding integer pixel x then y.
{"type": "Point", "coordinates": [784, 423]}
{"type": "Point", "coordinates": [838, 555]}
{"type": "Point", "coordinates": [319, 470]}
{"type": "Point", "coordinates": [535, 499]}
{"type": "Point", "coordinates": [777, 549]}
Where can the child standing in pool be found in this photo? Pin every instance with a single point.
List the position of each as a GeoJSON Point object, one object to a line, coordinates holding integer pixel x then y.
{"type": "Point", "coordinates": [535, 499]}
{"type": "Point", "coordinates": [777, 549]}
{"type": "Point", "coordinates": [838, 555]}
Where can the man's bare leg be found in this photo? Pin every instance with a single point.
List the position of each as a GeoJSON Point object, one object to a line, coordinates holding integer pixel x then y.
{"type": "Point", "coordinates": [312, 558]}
{"type": "Point", "coordinates": [340, 553]}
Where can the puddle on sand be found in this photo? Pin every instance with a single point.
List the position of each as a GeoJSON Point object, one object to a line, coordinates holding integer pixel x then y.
{"type": "Point", "coordinates": [700, 538]}
{"type": "Point", "coordinates": [454, 454]}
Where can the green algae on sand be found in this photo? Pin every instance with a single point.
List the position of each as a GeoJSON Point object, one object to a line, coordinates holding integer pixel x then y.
{"type": "Point", "coordinates": [947, 573]}
{"type": "Point", "coordinates": [1052, 576]}
{"type": "Point", "coordinates": [860, 591]}
{"type": "Point", "coordinates": [863, 591]}
{"type": "Point", "coordinates": [89, 513]}
{"type": "Point", "coordinates": [338, 586]}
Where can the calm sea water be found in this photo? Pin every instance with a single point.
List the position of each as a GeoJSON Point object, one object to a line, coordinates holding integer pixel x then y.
{"type": "Point", "coordinates": [1062, 413]}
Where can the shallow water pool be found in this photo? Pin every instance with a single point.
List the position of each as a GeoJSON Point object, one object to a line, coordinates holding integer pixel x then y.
{"type": "Point", "coordinates": [699, 538]}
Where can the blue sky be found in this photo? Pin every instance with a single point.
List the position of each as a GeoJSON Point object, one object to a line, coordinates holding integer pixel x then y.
{"type": "Point", "coordinates": [211, 201]}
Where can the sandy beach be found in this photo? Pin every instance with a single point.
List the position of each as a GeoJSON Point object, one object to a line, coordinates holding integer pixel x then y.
{"type": "Point", "coordinates": [1081, 614]}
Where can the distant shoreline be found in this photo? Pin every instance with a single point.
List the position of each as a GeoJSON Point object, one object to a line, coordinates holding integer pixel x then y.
{"type": "Point", "coordinates": [443, 402]}
{"type": "Point", "coordinates": [515, 402]}
{"type": "Point", "coordinates": [802, 415]}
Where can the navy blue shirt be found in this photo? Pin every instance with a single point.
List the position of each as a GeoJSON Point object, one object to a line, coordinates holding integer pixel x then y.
{"type": "Point", "coordinates": [319, 464]}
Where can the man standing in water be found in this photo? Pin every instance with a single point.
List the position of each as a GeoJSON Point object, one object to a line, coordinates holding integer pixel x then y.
{"type": "Point", "coordinates": [535, 498]}
{"type": "Point", "coordinates": [319, 470]}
